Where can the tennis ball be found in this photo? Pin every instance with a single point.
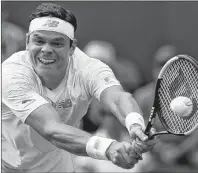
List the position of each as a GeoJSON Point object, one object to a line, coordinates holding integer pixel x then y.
{"type": "Point", "coordinates": [182, 106]}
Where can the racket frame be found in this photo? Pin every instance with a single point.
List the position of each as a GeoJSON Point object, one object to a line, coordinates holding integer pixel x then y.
{"type": "Point", "coordinates": [155, 106]}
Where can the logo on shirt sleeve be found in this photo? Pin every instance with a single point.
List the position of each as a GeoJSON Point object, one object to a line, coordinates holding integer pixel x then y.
{"type": "Point", "coordinates": [28, 102]}
{"type": "Point", "coordinates": [109, 79]}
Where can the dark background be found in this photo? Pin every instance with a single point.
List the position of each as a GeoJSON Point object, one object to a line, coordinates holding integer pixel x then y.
{"type": "Point", "coordinates": [136, 28]}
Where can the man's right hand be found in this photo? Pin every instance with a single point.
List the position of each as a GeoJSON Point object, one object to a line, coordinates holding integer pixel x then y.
{"type": "Point", "coordinates": [122, 154]}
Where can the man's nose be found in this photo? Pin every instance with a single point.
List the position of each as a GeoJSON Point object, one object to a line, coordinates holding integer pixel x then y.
{"type": "Point", "coordinates": [47, 49]}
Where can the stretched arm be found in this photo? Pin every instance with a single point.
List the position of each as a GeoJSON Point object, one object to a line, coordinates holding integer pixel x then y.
{"type": "Point", "coordinates": [126, 109]}
{"type": "Point", "coordinates": [19, 95]}
{"type": "Point", "coordinates": [46, 121]}
{"type": "Point", "coordinates": [119, 102]}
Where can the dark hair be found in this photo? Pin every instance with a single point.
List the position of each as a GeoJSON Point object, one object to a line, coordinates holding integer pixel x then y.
{"type": "Point", "coordinates": [54, 10]}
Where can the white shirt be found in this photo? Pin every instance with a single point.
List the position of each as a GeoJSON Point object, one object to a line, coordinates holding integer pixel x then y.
{"type": "Point", "coordinates": [23, 92]}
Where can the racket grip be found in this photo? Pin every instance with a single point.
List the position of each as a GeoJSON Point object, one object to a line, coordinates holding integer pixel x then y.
{"type": "Point", "coordinates": [147, 131]}
{"type": "Point", "coordinates": [149, 126]}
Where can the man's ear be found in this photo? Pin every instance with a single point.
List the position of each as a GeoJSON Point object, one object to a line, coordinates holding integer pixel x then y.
{"type": "Point", "coordinates": [27, 40]}
{"type": "Point", "coordinates": [73, 46]}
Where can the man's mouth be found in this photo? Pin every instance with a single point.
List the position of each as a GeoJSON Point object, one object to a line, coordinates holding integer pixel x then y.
{"type": "Point", "coordinates": [46, 62]}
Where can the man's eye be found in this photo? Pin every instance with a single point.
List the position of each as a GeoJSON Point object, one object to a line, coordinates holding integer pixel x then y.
{"type": "Point", "coordinates": [39, 41]}
{"type": "Point", "coordinates": [57, 44]}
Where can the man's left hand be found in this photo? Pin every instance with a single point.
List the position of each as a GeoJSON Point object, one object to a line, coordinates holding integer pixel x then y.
{"type": "Point", "coordinates": [142, 143]}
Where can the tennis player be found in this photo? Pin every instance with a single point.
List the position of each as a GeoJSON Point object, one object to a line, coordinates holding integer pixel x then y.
{"type": "Point", "coordinates": [47, 89]}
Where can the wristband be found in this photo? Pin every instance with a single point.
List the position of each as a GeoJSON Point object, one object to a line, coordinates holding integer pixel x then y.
{"type": "Point", "coordinates": [96, 147]}
{"type": "Point", "coordinates": [134, 118]}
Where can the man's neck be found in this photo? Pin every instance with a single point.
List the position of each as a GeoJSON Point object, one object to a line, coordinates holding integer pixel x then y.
{"type": "Point", "coordinates": [51, 83]}
{"type": "Point", "coordinates": [53, 80]}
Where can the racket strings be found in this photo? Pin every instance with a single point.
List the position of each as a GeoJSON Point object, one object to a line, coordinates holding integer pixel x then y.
{"type": "Point", "coordinates": [179, 79]}
{"type": "Point", "coordinates": [170, 120]}
{"type": "Point", "coordinates": [185, 89]}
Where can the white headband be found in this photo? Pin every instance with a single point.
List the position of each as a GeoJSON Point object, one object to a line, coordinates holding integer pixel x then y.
{"type": "Point", "coordinates": [52, 24]}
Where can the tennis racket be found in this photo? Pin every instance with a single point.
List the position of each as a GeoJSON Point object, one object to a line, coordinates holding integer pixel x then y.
{"type": "Point", "coordinates": [178, 77]}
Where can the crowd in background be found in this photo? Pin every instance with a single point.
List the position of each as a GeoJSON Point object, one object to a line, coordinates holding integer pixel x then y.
{"type": "Point", "coordinates": [170, 154]}
{"type": "Point", "coordinates": [12, 37]}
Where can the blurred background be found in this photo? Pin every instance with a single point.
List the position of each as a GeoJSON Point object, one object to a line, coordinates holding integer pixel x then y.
{"type": "Point", "coordinates": [135, 38]}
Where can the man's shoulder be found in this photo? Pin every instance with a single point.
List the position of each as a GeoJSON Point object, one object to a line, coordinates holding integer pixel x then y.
{"type": "Point", "coordinates": [17, 58]}
{"type": "Point", "coordinates": [80, 58]}
{"type": "Point", "coordinates": [18, 62]}
{"type": "Point", "coordinates": [81, 61]}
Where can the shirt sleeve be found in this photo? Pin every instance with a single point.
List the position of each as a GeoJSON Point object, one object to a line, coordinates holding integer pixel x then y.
{"type": "Point", "coordinates": [99, 76]}
{"type": "Point", "coordinates": [20, 91]}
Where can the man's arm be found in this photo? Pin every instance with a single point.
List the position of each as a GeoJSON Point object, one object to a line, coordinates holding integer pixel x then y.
{"type": "Point", "coordinates": [46, 121]}
{"type": "Point", "coordinates": [126, 109]}
{"type": "Point", "coordinates": [18, 91]}
{"type": "Point", "coordinates": [121, 104]}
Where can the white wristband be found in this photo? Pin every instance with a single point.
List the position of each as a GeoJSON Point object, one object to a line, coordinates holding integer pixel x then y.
{"type": "Point", "coordinates": [134, 118]}
{"type": "Point", "coordinates": [96, 147]}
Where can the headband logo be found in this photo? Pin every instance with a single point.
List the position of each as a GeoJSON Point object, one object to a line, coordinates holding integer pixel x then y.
{"type": "Point", "coordinates": [51, 23]}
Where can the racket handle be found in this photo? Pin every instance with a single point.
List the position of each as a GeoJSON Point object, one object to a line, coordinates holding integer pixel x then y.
{"type": "Point", "coordinates": [148, 128]}
{"type": "Point", "coordinates": [151, 120]}
{"type": "Point", "coordinates": [153, 109]}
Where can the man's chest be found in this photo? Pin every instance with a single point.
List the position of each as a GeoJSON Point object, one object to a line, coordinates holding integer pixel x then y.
{"type": "Point", "coordinates": [70, 106]}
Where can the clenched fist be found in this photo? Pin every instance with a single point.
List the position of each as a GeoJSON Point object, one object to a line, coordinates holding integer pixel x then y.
{"type": "Point", "coordinates": [122, 154]}
{"type": "Point", "coordinates": [142, 144]}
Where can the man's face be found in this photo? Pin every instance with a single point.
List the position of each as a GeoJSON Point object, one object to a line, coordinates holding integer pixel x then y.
{"type": "Point", "coordinates": [49, 51]}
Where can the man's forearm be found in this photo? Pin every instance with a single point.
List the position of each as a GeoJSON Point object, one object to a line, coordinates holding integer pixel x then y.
{"type": "Point", "coordinates": [80, 142]}
{"type": "Point", "coordinates": [69, 138]}
{"type": "Point", "coordinates": [124, 105]}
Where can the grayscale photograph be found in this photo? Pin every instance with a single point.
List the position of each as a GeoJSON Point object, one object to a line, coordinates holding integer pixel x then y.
{"type": "Point", "coordinates": [99, 86]}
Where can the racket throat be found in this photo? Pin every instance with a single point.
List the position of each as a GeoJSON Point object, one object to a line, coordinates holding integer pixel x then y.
{"type": "Point", "coordinates": [158, 133]}
{"type": "Point", "coordinates": [151, 120]}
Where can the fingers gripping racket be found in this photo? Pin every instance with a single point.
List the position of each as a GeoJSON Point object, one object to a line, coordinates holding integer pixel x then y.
{"type": "Point", "coordinates": [178, 77]}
